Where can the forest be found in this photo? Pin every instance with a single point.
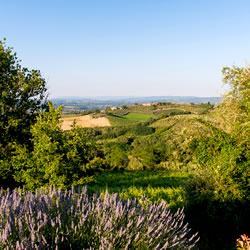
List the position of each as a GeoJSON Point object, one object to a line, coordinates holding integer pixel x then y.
{"type": "Point", "coordinates": [162, 176]}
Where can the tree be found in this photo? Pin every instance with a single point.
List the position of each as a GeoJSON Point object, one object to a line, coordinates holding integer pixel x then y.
{"type": "Point", "coordinates": [218, 190]}
{"type": "Point", "coordinates": [238, 97]}
{"type": "Point", "coordinates": [124, 107]}
{"type": "Point", "coordinates": [116, 155]}
{"type": "Point", "coordinates": [22, 96]}
{"type": "Point", "coordinates": [58, 158]}
{"type": "Point", "coordinates": [108, 110]}
{"type": "Point", "coordinates": [235, 107]}
{"type": "Point", "coordinates": [43, 164]}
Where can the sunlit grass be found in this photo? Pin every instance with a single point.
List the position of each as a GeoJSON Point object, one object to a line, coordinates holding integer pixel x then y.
{"type": "Point", "coordinates": [155, 185]}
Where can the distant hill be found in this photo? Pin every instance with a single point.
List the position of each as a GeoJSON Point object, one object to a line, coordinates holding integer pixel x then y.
{"type": "Point", "coordinates": [101, 102]}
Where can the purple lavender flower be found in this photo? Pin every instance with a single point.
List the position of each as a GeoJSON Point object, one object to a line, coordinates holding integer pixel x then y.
{"type": "Point", "coordinates": [56, 219]}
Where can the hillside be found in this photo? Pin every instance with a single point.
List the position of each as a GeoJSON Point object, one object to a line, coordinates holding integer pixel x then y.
{"type": "Point", "coordinates": [75, 104]}
{"type": "Point", "coordinates": [126, 115]}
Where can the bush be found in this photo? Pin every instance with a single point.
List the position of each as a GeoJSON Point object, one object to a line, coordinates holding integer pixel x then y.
{"type": "Point", "coordinates": [116, 155]}
{"type": "Point", "coordinates": [58, 158]}
{"type": "Point", "coordinates": [55, 219]}
{"type": "Point", "coordinates": [143, 129]}
{"type": "Point", "coordinates": [217, 201]}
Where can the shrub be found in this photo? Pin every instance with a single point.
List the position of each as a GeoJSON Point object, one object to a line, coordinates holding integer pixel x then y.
{"type": "Point", "coordinates": [116, 155]}
{"type": "Point", "coordinates": [54, 219]}
{"type": "Point", "coordinates": [220, 203]}
{"type": "Point", "coordinates": [143, 129]}
{"type": "Point", "coordinates": [58, 158]}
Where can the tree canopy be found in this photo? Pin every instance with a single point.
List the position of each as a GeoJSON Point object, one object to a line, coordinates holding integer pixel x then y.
{"type": "Point", "coordinates": [236, 102]}
{"type": "Point", "coordinates": [23, 94]}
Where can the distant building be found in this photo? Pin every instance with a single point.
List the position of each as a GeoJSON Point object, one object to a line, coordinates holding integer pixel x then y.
{"type": "Point", "coordinates": [149, 104]}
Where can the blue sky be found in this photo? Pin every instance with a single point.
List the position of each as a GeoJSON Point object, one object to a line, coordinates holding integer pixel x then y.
{"type": "Point", "coordinates": [129, 47]}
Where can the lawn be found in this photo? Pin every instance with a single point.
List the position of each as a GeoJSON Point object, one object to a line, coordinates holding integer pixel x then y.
{"type": "Point", "coordinates": [130, 118]}
{"type": "Point", "coordinates": [155, 185]}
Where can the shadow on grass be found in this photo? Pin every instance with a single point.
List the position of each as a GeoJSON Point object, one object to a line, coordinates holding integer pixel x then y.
{"type": "Point", "coordinates": [117, 116]}
{"type": "Point", "coordinates": [155, 185]}
{"type": "Point", "coordinates": [141, 179]}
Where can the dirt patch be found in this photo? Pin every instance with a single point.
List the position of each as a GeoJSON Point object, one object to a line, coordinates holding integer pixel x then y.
{"type": "Point", "coordinates": [85, 121]}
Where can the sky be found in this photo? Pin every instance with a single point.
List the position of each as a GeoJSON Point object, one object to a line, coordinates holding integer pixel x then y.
{"type": "Point", "coordinates": [129, 47]}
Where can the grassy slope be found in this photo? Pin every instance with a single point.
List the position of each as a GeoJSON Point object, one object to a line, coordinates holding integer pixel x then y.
{"type": "Point", "coordinates": [183, 124]}
{"type": "Point", "coordinates": [129, 119]}
{"type": "Point", "coordinates": [156, 185]}
{"type": "Point", "coordinates": [138, 113]}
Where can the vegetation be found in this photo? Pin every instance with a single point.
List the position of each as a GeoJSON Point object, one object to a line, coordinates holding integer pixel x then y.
{"type": "Point", "coordinates": [235, 106]}
{"type": "Point", "coordinates": [191, 155]}
{"type": "Point", "coordinates": [22, 97]}
{"type": "Point", "coordinates": [55, 219]}
{"type": "Point", "coordinates": [155, 185]}
{"type": "Point", "coordinates": [57, 158]}
{"type": "Point", "coordinates": [129, 118]}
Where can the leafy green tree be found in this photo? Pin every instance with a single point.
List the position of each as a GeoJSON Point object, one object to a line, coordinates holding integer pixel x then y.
{"type": "Point", "coordinates": [44, 163]}
{"type": "Point", "coordinates": [108, 110]}
{"type": "Point", "coordinates": [149, 151]}
{"type": "Point", "coordinates": [218, 191]}
{"type": "Point", "coordinates": [124, 107]}
{"type": "Point", "coordinates": [235, 107]}
{"type": "Point", "coordinates": [116, 155]}
{"type": "Point", "coordinates": [22, 96]}
{"type": "Point", "coordinates": [58, 158]}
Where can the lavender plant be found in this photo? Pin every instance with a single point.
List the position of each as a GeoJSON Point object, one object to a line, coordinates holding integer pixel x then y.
{"type": "Point", "coordinates": [56, 219]}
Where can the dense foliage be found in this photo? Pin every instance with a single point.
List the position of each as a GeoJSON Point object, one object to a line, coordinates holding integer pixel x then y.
{"type": "Point", "coordinates": [219, 191]}
{"type": "Point", "coordinates": [34, 151]}
{"type": "Point", "coordinates": [54, 219]}
{"type": "Point", "coordinates": [57, 158]}
{"type": "Point", "coordinates": [235, 107]}
{"type": "Point", "coordinates": [22, 97]}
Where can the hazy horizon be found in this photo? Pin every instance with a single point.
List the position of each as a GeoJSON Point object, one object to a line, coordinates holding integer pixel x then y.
{"type": "Point", "coordinates": [127, 96]}
{"type": "Point", "coordinates": [129, 48]}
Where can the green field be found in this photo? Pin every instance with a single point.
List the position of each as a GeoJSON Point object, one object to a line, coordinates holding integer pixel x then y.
{"type": "Point", "coordinates": [130, 118]}
{"type": "Point", "coordinates": [155, 185]}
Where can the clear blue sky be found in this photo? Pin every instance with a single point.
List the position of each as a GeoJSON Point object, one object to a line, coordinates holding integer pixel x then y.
{"type": "Point", "coordinates": [129, 47]}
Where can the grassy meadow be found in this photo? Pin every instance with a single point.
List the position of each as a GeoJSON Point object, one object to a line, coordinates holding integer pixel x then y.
{"type": "Point", "coordinates": [128, 115]}
{"type": "Point", "coordinates": [155, 185]}
{"type": "Point", "coordinates": [142, 113]}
